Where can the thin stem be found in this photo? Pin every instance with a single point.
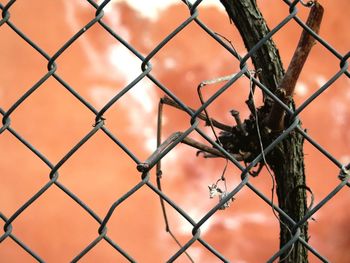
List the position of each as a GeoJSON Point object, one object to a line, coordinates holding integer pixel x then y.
{"type": "Point", "coordinates": [213, 151]}
{"type": "Point", "coordinates": [287, 86]}
{"type": "Point", "coordinates": [166, 100]}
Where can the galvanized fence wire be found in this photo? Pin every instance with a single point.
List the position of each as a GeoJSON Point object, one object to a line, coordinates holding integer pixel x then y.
{"type": "Point", "coordinates": [145, 167]}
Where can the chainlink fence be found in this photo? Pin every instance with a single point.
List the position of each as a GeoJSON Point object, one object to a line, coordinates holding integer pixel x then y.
{"type": "Point", "coordinates": [147, 167]}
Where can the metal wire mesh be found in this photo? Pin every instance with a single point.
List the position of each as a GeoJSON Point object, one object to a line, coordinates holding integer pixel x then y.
{"type": "Point", "coordinates": [146, 167]}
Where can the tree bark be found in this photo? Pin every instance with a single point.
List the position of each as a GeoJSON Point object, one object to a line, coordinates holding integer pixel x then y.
{"type": "Point", "coordinates": [287, 159]}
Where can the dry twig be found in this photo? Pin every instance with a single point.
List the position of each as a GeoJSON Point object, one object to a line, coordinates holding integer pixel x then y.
{"type": "Point", "coordinates": [287, 86]}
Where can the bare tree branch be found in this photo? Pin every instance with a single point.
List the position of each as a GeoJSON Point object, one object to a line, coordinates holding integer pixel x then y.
{"type": "Point", "coordinates": [287, 86]}
{"type": "Point", "coordinates": [287, 158]}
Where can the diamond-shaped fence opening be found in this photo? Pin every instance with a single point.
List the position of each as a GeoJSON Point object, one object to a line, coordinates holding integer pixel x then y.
{"type": "Point", "coordinates": [99, 104]}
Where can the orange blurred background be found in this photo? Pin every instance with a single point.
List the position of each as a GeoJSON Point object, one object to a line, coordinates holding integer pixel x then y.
{"type": "Point", "coordinates": [97, 66]}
